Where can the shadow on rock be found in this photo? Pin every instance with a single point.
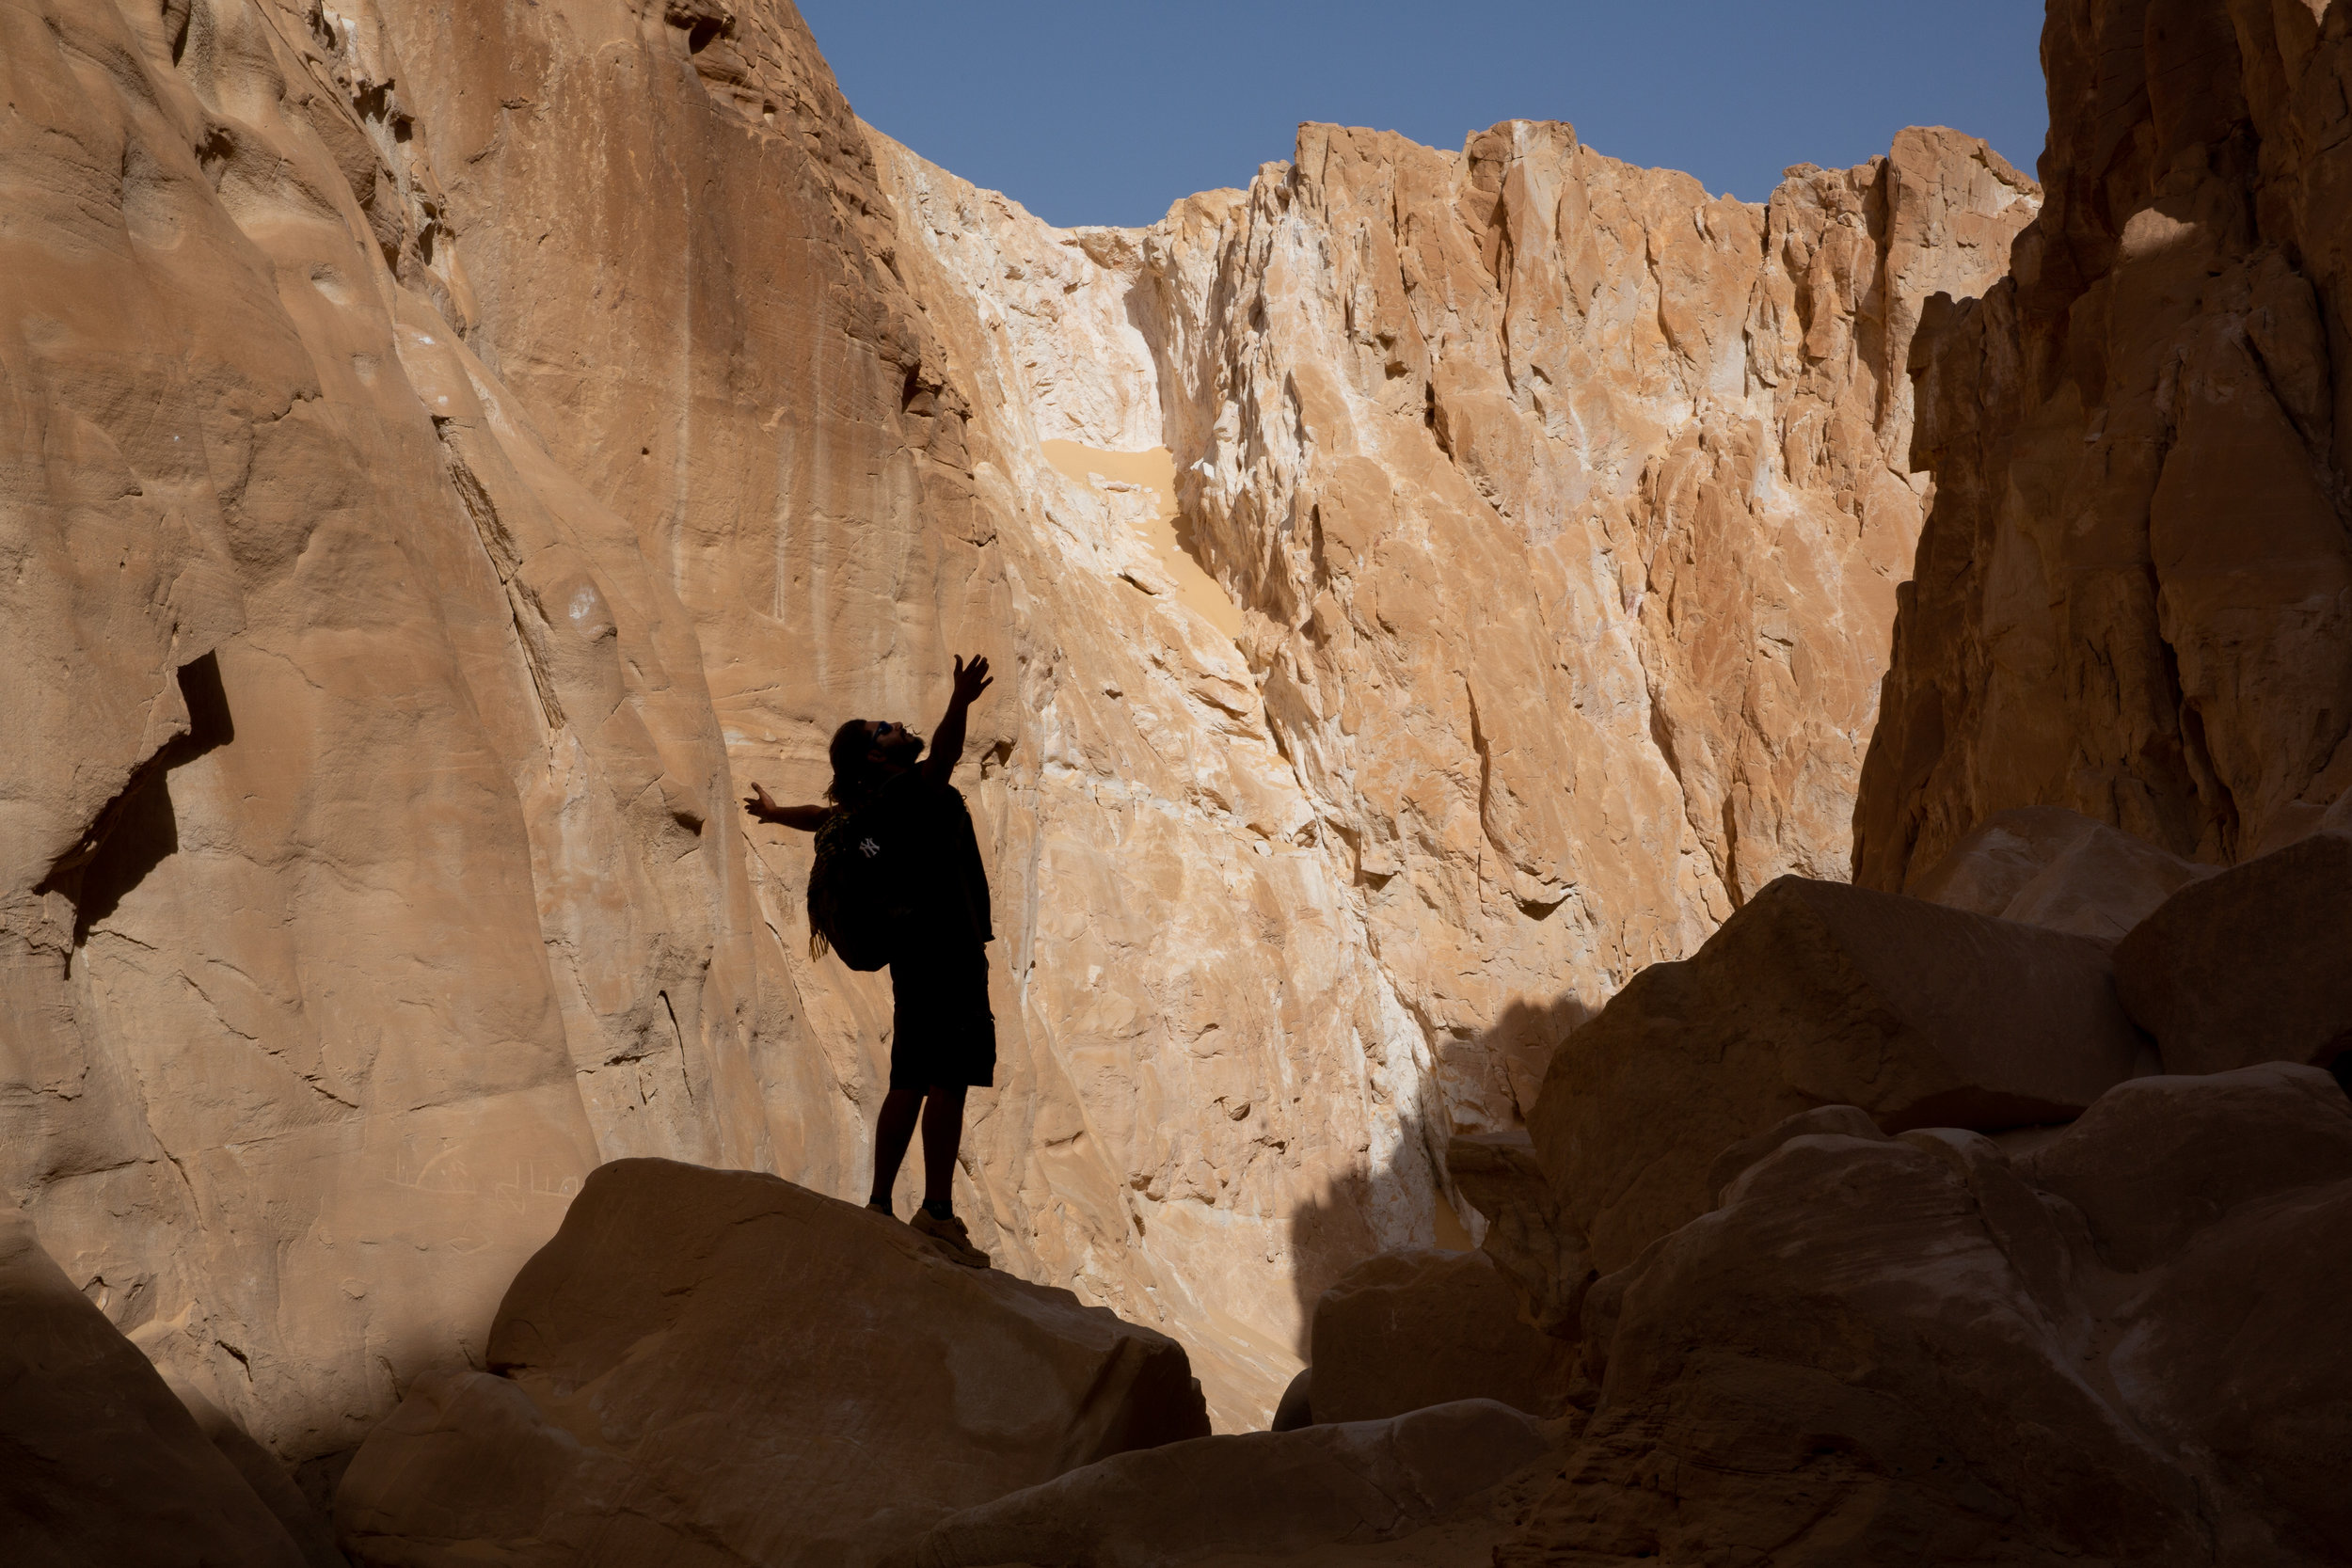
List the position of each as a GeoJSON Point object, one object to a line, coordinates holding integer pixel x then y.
{"type": "Point", "coordinates": [138, 829]}
{"type": "Point", "coordinates": [1491, 1078]}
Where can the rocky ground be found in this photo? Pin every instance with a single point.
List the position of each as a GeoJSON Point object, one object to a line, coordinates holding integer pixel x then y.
{"type": "Point", "coordinates": [451, 452]}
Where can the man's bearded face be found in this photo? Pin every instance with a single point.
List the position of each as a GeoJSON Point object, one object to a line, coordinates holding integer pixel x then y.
{"type": "Point", "coordinates": [899, 745]}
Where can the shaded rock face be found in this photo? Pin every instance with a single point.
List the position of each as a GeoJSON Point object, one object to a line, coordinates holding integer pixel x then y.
{"type": "Point", "coordinates": [1408, 1330]}
{"type": "Point", "coordinates": [720, 1367]}
{"type": "Point", "coordinates": [2254, 965]}
{"type": "Point", "coordinates": [103, 1464]}
{"type": "Point", "coordinates": [2134, 596]}
{"type": "Point", "coordinates": [1819, 993]}
{"type": "Point", "coordinates": [1536, 1247]}
{"type": "Point", "coordinates": [453, 451]}
{"type": "Point", "coordinates": [1922, 1347]}
{"type": "Point", "coordinates": [2048, 866]}
{"type": "Point", "coordinates": [1255, 1495]}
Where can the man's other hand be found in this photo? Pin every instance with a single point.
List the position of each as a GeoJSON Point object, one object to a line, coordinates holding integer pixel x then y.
{"type": "Point", "coordinates": [807, 819]}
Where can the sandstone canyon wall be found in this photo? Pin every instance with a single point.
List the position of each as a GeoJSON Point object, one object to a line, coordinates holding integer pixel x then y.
{"type": "Point", "coordinates": [2135, 594]}
{"type": "Point", "coordinates": [453, 451]}
{"type": "Point", "coordinates": [362, 887]}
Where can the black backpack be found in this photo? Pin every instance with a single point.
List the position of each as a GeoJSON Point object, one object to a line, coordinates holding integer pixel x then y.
{"type": "Point", "coordinates": [858, 890]}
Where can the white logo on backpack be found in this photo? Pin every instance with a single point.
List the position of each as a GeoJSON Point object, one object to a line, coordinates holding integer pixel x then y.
{"type": "Point", "coordinates": [867, 848]}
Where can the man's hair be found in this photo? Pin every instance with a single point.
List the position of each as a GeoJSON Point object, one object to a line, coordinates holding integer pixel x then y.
{"type": "Point", "coordinates": [853, 770]}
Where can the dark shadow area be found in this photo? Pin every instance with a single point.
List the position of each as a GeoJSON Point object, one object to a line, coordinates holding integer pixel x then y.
{"type": "Point", "coordinates": [136, 829]}
{"type": "Point", "coordinates": [1516, 1047]}
{"type": "Point", "coordinates": [1489, 1080]}
{"type": "Point", "coordinates": [1330, 1235]}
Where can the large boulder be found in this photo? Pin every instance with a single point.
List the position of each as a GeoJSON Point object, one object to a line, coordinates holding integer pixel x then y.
{"type": "Point", "coordinates": [719, 1367]}
{"type": "Point", "coordinates": [2254, 965]}
{"type": "Point", "coordinates": [2121, 1346]}
{"type": "Point", "coordinates": [1408, 1330]}
{"type": "Point", "coordinates": [100, 1463]}
{"type": "Point", "coordinates": [1819, 993]}
{"type": "Point", "coordinates": [2048, 866]}
{"type": "Point", "coordinates": [2231, 1352]}
{"type": "Point", "coordinates": [1264, 1493]}
{"type": "Point", "coordinates": [2157, 1159]}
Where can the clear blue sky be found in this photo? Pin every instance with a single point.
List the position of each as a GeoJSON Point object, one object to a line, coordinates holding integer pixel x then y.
{"type": "Point", "coordinates": [1104, 111]}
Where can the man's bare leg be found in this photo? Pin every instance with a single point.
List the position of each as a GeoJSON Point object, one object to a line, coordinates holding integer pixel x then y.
{"type": "Point", "coordinates": [943, 1130]}
{"type": "Point", "coordinates": [942, 1134]}
{"type": "Point", "coordinates": [894, 1129]}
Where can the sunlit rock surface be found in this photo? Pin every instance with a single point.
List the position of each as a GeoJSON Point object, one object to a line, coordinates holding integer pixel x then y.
{"type": "Point", "coordinates": [1564, 503]}
{"type": "Point", "coordinates": [1571, 499]}
{"type": "Point", "coordinates": [363, 868]}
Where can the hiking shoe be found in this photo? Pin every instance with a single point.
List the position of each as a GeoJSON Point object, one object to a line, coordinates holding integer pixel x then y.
{"type": "Point", "coordinates": [950, 1237]}
{"type": "Point", "coordinates": [882, 1209]}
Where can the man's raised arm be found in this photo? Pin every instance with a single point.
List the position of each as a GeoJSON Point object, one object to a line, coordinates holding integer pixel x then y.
{"type": "Point", "coordinates": [948, 740]}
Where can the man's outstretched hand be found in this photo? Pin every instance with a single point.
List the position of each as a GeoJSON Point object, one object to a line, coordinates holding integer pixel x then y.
{"type": "Point", "coordinates": [760, 804]}
{"type": "Point", "coordinates": [948, 740]}
{"type": "Point", "coordinates": [971, 680]}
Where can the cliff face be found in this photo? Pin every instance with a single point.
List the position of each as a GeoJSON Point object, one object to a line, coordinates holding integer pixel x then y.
{"type": "Point", "coordinates": [365, 869]}
{"type": "Point", "coordinates": [451, 452]}
{"type": "Point", "coordinates": [2134, 594]}
{"type": "Point", "coordinates": [1567, 501]}
{"type": "Point", "coordinates": [1561, 502]}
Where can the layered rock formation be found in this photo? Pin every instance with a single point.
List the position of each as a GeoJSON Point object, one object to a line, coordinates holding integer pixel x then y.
{"type": "Point", "coordinates": [2134, 597]}
{"type": "Point", "coordinates": [1739, 457]}
{"type": "Point", "coordinates": [452, 451]}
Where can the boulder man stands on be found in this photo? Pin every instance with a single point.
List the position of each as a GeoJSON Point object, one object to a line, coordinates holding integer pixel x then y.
{"type": "Point", "coordinates": [897, 880]}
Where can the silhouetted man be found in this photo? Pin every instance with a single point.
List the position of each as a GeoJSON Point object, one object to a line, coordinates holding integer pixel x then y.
{"type": "Point", "coordinates": [943, 1035]}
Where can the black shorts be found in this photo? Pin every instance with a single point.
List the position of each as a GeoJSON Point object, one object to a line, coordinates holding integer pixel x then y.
{"type": "Point", "coordinates": [941, 1033]}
